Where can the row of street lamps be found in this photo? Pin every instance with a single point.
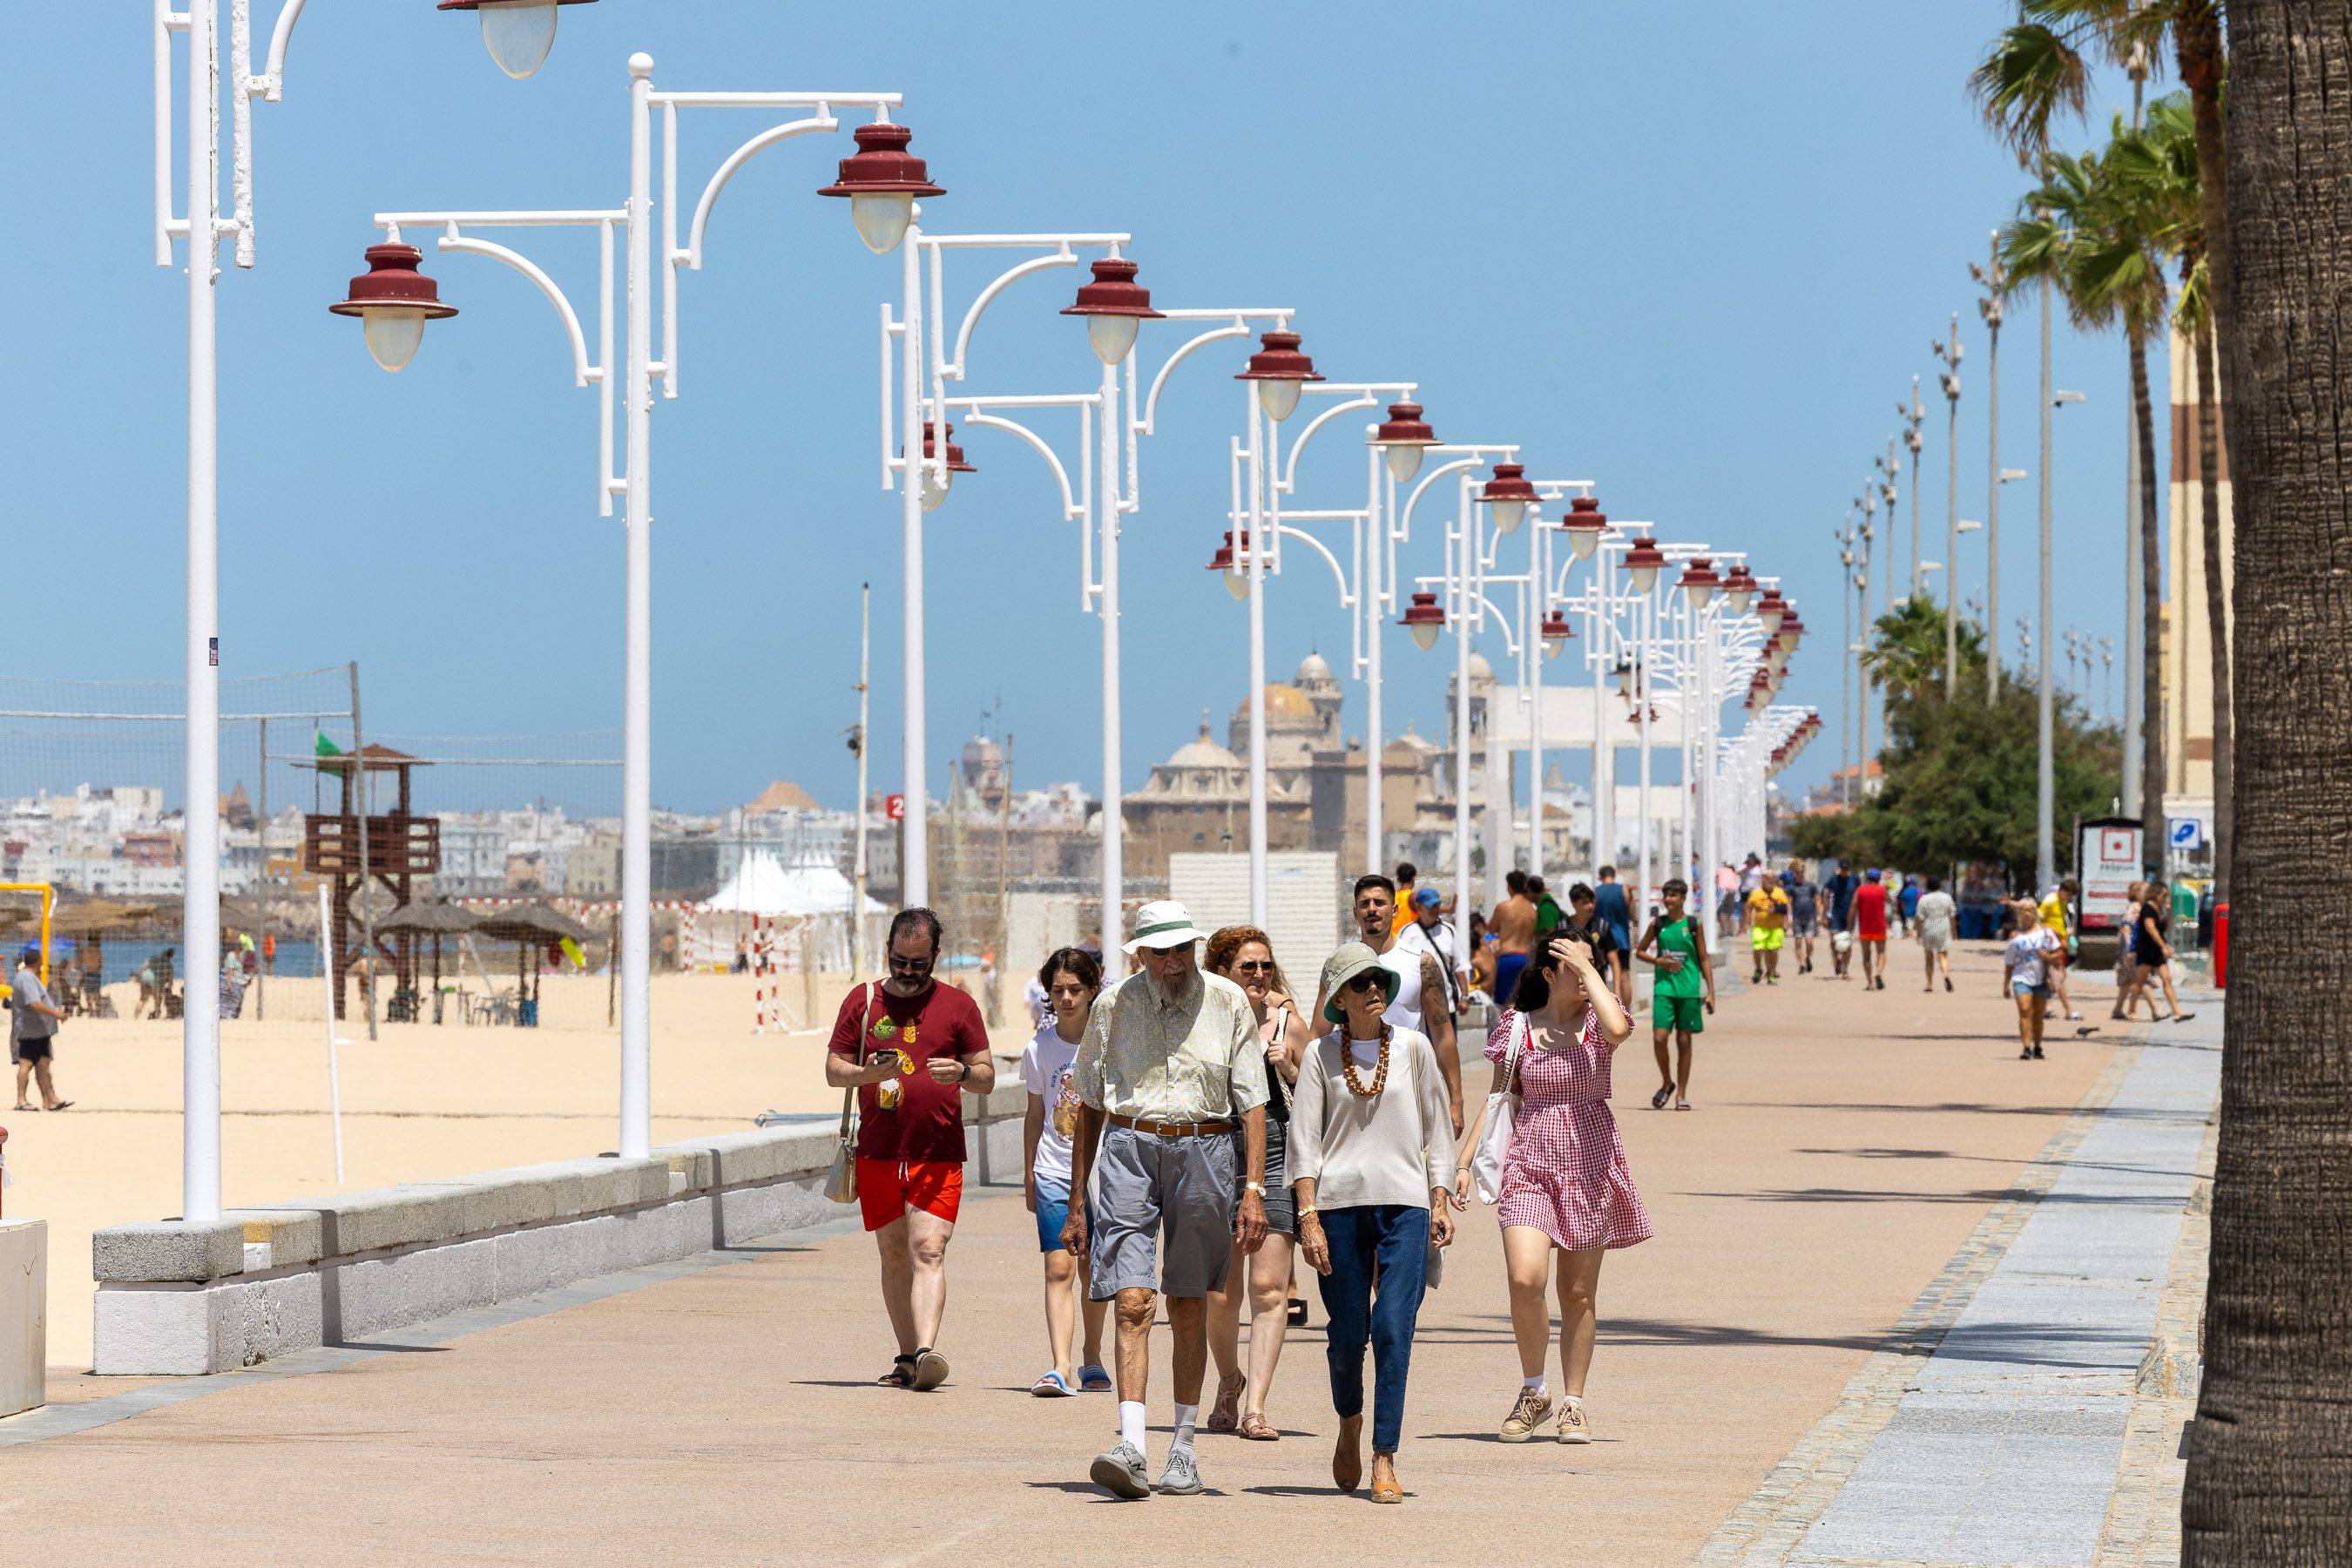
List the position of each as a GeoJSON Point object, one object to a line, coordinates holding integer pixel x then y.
{"type": "Point", "coordinates": [1685, 647]}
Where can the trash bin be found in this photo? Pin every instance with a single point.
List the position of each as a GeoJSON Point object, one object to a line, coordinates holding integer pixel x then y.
{"type": "Point", "coordinates": [2220, 947]}
{"type": "Point", "coordinates": [526, 1012]}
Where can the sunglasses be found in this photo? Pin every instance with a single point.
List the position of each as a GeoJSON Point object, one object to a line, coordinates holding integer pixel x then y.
{"type": "Point", "coordinates": [910, 965]}
{"type": "Point", "coordinates": [1254, 967]}
{"type": "Point", "coordinates": [1363, 983]}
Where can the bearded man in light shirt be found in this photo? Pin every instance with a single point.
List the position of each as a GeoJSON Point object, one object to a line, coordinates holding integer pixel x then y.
{"type": "Point", "coordinates": [1172, 1076]}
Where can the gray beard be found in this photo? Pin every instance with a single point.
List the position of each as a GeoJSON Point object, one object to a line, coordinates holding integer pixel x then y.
{"type": "Point", "coordinates": [1167, 996]}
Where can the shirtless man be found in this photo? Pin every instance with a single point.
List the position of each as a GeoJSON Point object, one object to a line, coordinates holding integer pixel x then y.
{"type": "Point", "coordinates": [1420, 1001]}
{"type": "Point", "coordinates": [1515, 935]}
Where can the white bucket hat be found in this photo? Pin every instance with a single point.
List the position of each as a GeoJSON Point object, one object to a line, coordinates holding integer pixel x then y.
{"type": "Point", "coordinates": [1161, 925]}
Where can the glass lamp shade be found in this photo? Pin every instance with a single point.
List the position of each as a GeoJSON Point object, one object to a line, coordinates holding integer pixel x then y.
{"type": "Point", "coordinates": [1581, 542]}
{"type": "Point", "coordinates": [1790, 627]}
{"type": "Point", "coordinates": [1112, 336]}
{"type": "Point", "coordinates": [882, 218]}
{"type": "Point", "coordinates": [1554, 633]}
{"type": "Point", "coordinates": [1404, 462]}
{"type": "Point", "coordinates": [1278, 398]}
{"type": "Point", "coordinates": [1737, 599]}
{"type": "Point", "coordinates": [1700, 593]}
{"type": "Point", "coordinates": [1425, 620]}
{"type": "Point", "coordinates": [1237, 581]}
{"type": "Point", "coordinates": [935, 486]}
{"type": "Point", "coordinates": [1424, 633]}
{"type": "Point", "coordinates": [518, 33]}
{"type": "Point", "coordinates": [394, 333]}
{"type": "Point", "coordinates": [1644, 578]}
{"type": "Point", "coordinates": [1510, 514]}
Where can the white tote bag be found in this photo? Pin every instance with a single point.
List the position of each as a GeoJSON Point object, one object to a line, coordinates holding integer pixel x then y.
{"type": "Point", "coordinates": [1502, 1110]}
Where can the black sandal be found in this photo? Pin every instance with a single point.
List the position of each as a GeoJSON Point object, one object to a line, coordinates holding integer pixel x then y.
{"type": "Point", "coordinates": [1658, 1101]}
{"type": "Point", "coordinates": [901, 1374]}
{"type": "Point", "coordinates": [1297, 1312]}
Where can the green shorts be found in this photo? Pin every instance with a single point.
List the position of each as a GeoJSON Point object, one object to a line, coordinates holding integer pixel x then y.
{"type": "Point", "coordinates": [1763, 941]}
{"type": "Point", "coordinates": [1684, 1013]}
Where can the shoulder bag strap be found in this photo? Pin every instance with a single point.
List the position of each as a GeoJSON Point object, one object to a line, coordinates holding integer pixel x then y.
{"type": "Point", "coordinates": [849, 1096]}
{"type": "Point", "coordinates": [1521, 1031]}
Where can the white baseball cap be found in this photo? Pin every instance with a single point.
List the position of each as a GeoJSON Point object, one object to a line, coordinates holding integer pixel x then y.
{"type": "Point", "coordinates": [1161, 925]}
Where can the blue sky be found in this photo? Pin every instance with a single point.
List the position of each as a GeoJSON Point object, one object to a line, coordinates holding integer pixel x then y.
{"type": "Point", "coordinates": [1694, 252]}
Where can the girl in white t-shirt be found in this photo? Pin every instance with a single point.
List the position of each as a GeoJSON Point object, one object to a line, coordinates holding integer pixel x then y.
{"type": "Point", "coordinates": [1071, 978]}
{"type": "Point", "coordinates": [2025, 964]}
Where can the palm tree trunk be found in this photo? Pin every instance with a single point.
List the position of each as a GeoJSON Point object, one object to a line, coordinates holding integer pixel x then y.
{"type": "Point", "coordinates": [2270, 1467]}
{"type": "Point", "coordinates": [2217, 602]}
{"type": "Point", "coordinates": [2197, 46]}
{"type": "Point", "coordinates": [2152, 611]}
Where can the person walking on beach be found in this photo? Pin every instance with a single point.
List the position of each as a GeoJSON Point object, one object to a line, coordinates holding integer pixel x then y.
{"type": "Point", "coordinates": [1173, 1062]}
{"type": "Point", "coordinates": [1768, 925]}
{"type": "Point", "coordinates": [1566, 1189]}
{"type": "Point", "coordinates": [1427, 932]}
{"type": "Point", "coordinates": [1610, 905]}
{"type": "Point", "coordinates": [2054, 909]}
{"type": "Point", "coordinates": [33, 1022]}
{"type": "Point", "coordinates": [1840, 891]}
{"type": "Point", "coordinates": [1372, 1165]}
{"type": "Point", "coordinates": [1804, 914]}
{"type": "Point", "coordinates": [1676, 945]}
{"type": "Point", "coordinates": [1515, 934]}
{"type": "Point", "coordinates": [2128, 995]}
{"type": "Point", "coordinates": [912, 1048]}
{"type": "Point", "coordinates": [1934, 922]}
{"type": "Point", "coordinates": [1244, 955]}
{"type": "Point", "coordinates": [1070, 979]}
{"type": "Point", "coordinates": [2152, 950]}
{"type": "Point", "coordinates": [2025, 970]}
{"type": "Point", "coordinates": [1418, 999]}
{"type": "Point", "coordinates": [1870, 928]}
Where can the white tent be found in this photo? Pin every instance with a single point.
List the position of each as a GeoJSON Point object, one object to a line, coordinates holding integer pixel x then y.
{"type": "Point", "coordinates": [814, 901]}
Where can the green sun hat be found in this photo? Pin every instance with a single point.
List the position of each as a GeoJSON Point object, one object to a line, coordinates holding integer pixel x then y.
{"type": "Point", "coordinates": [1352, 959]}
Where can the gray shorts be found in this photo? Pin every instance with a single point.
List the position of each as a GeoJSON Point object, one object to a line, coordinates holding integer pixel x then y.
{"type": "Point", "coordinates": [1149, 1189]}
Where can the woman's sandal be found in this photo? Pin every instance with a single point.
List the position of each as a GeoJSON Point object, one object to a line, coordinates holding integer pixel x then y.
{"type": "Point", "coordinates": [1229, 1399]}
{"type": "Point", "coordinates": [901, 1374]}
{"type": "Point", "coordinates": [1255, 1427]}
{"type": "Point", "coordinates": [1682, 1105]}
{"type": "Point", "coordinates": [1658, 1101]}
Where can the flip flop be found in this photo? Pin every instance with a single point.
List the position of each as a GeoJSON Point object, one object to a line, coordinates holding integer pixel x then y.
{"type": "Point", "coordinates": [931, 1370]}
{"type": "Point", "coordinates": [61, 1105]}
{"type": "Point", "coordinates": [1682, 1105]}
{"type": "Point", "coordinates": [901, 1374]}
{"type": "Point", "coordinates": [1051, 1386]}
{"type": "Point", "coordinates": [1658, 1101]}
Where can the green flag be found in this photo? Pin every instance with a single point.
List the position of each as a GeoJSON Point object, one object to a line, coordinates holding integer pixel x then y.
{"type": "Point", "coordinates": [328, 748]}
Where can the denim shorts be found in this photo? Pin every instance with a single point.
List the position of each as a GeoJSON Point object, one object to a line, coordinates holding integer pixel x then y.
{"type": "Point", "coordinates": [1053, 1212]}
{"type": "Point", "coordinates": [2020, 988]}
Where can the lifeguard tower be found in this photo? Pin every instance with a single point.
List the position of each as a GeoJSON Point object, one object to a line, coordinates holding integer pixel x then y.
{"type": "Point", "coordinates": [397, 848]}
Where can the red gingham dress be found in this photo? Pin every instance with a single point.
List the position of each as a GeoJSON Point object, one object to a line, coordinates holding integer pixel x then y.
{"type": "Point", "coordinates": [1566, 1173]}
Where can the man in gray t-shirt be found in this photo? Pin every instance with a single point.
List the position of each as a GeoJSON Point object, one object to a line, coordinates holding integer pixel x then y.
{"type": "Point", "coordinates": [32, 1025]}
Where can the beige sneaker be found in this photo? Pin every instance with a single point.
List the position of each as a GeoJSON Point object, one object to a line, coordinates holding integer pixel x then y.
{"type": "Point", "coordinates": [1573, 1427]}
{"type": "Point", "coordinates": [1526, 1415]}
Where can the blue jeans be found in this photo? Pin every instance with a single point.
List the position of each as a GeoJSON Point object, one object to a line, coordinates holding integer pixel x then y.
{"type": "Point", "coordinates": [1397, 1239]}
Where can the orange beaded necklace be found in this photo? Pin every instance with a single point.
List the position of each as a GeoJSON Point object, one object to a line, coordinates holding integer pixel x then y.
{"type": "Point", "coordinates": [1380, 1069]}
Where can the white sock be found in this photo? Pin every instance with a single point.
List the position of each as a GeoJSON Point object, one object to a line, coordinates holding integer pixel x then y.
{"type": "Point", "coordinates": [1187, 1417]}
{"type": "Point", "coordinates": [1535, 1382]}
{"type": "Point", "coordinates": [1573, 1401]}
{"type": "Point", "coordinates": [1130, 1423]}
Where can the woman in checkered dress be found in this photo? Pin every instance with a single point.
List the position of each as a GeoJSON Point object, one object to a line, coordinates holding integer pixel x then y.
{"type": "Point", "coordinates": [1565, 1188]}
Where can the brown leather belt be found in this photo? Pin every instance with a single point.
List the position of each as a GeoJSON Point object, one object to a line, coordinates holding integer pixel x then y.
{"type": "Point", "coordinates": [1168, 1129]}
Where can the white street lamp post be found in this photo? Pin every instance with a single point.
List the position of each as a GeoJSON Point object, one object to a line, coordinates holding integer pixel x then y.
{"type": "Point", "coordinates": [203, 229]}
{"type": "Point", "coordinates": [881, 165]}
{"type": "Point", "coordinates": [2046, 781]}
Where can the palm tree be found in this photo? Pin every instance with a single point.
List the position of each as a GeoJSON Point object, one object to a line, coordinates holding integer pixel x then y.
{"type": "Point", "coordinates": [2032, 73]}
{"type": "Point", "coordinates": [2268, 1481]}
{"type": "Point", "coordinates": [2156, 179]}
{"type": "Point", "coordinates": [1906, 651]}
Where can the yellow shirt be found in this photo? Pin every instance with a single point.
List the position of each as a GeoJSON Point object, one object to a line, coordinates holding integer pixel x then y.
{"type": "Point", "coordinates": [1404, 912]}
{"type": "Point", "coordinates": [1768, 908]}
{"type": "Point", "coordinates": [2053, 914]}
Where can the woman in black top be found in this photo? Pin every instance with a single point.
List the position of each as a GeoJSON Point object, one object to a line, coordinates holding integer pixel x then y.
{"type": "Point", "coordinates": [2153, 952]}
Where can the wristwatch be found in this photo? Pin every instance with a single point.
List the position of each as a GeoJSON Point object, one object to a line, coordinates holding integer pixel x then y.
{"type": "Point", "coordinates": [965, 1074]}
{"type": "Point", "coordinates": [1258, 1187]}
{"type": "Point", "coordinates": [1309, 1213]}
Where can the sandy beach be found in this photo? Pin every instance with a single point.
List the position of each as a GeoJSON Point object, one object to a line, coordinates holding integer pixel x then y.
{"type": "Point", "coordinates": [421, 1101]}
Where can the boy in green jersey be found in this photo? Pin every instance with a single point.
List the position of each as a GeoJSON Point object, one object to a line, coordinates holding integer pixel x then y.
{"type": "Point", "coordinates": [1682, 991]}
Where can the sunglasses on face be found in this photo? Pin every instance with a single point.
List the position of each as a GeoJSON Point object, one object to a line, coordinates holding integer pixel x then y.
{"type": "Point", "coordinates": [1363, 983]}
{"type": "Point", "coordinates": [902, 965]}
{"type": "Point", "coordinates": [1252, 966]}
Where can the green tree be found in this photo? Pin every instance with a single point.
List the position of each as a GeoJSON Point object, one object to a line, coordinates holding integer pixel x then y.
{"type": "Point", "coordinates": [2270, 1470]}
{"type": "Point", "coordinates": [1906, 648]}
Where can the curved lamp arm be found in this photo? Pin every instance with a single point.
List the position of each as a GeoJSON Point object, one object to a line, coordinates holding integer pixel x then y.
{"type": "Point", "coordinates": [1071, 509]}
{"type": "Point", "coordinates": [1152, 401]}
{"type": "Point", "coordinates": [953, 368]}
{"type": "Point", "coordinates": [1289, 481]}
{"type": "Point", "coordinates": [692, 253]}
{"type": "Point", "coordinates": [1339, 573]}
{"type": "Point", "coordinates": [583, 373]}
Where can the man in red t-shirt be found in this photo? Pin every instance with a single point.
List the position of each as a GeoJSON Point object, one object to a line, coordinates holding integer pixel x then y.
{"type": "Point", "coordinates": [1869, 929]}
{"type": "Point", "coordinates": [912, 1049]}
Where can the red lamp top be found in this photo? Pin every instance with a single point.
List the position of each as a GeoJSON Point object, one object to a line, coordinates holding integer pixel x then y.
{"type": "Point", "coordinates": [392, 282]}
{"type": "Point", "coordinates": [1739, 580]}
{"type": "Point", "coordinates": [883, 167]}
{"type": "Point", "coordinates": [1556, 626]}
{"type": "Point", "coordinates": [956, 465]}
{"type": "Point", "coordinates": [1405, 427]}
{"type": "Point", "coordinates": [1114, 292]}
{"type": "Point", "coordinates": [1224, 560]}
{"type": "Point", "coordinates": [1280, 360]}
{"type": "Point", "coordinates": [1509, 483]}
{"type": "Point", "coordinates": [1584, 513]}
{"type": "Point", "coordinates": [1645, 553]}
{"type": "Point", "coordinates": [1699, 574]}
{"type": "Point", "coordinates": [1425, 612]}
{"type": "Point", "coordinates": [1791, 624]}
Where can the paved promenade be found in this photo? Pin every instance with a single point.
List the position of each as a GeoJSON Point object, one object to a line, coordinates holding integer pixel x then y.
{"type": "Point", "coordinates": [1895, 1311]}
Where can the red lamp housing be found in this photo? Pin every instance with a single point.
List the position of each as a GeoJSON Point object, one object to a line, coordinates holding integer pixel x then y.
{"type": "Point", "coordinates": [1279, 370]}
{"type": "Point", "coordinates": [1424, 620]}
{"type": "Point", "coordinates": [394, 300]}
{"type": "Point", "coordinates": [1644, 563]}
{"type": "Point", "coordinates": [1585, 525]}
{"type": "Point", "coordinates": [1112, 305]}
{"type": "Point", "coordinates": [882, 180]}
{"type": "Point", "coordinates": [1403, 437]}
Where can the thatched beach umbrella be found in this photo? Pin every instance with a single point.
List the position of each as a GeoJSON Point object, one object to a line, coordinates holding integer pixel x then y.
{"type": "Point", "coordinates": [435, 921]}
{"type": "Point", "coordinates": [530, 927]}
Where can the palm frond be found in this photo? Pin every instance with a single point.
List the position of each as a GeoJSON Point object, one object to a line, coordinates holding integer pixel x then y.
{"type": "Point", "coordinates": [2030, 76]}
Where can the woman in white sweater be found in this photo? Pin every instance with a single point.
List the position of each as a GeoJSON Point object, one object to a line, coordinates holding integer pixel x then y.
{"type": "Point", "coordinates": [1372, 1158]}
